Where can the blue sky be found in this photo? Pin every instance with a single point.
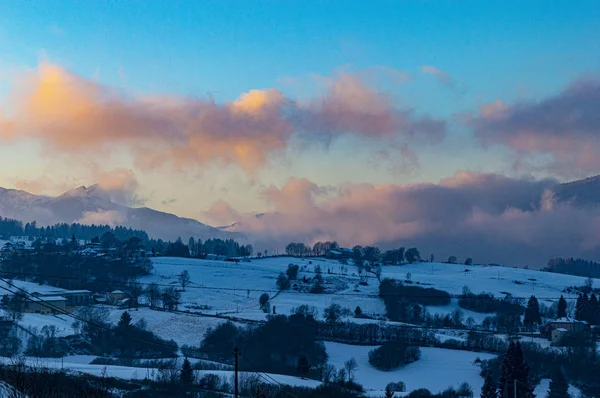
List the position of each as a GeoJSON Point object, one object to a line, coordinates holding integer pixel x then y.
{"type": "Point", "coordinates": [508, 50]}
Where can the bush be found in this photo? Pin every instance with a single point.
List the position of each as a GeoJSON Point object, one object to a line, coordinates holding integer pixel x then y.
{"type": "Point", "coordinates": [333, 313]}
{"type": "Point", "coordinates": [391, 355]}
{"type": "Point", "coordinates": [263, 299]}
{"type": "Point", "coordinates": [396, 387]}
{"type": "Point", "coordinates": [283, 283]}
{"type": "Point", "coordinates": [420, 393]}
{"type": "Point", "coordinates": [292, 271]}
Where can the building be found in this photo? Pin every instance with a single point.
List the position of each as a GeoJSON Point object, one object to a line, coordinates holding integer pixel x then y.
{"type": "Point", "coordinates": [558, 335]}
{"type": "Point", "coordinates": [566, 326]}
{"type": "Point", "coordinates": [74, 298]}
{"type": "Point", "coordinates": [116, 296]}
{"type": "Point", "coordinates": [46, 305]}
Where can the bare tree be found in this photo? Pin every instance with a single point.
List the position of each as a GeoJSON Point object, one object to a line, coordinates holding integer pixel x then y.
{"type": "Point", "coordinates": [184, 279]}
{"type": "Point", "coordinates": [350, 366]}
{"type": "Point", "coordinates": [135, 291]}
{"type": "Point", "coordinates": [152, 293]}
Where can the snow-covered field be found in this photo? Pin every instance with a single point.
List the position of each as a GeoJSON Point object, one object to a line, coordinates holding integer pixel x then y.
{"type": "Point", "coordinates": [437, 369]}
{"type": "Point", "coordinates": [182, 328]}
{"type": "Point", "coordinates": [230, 288]}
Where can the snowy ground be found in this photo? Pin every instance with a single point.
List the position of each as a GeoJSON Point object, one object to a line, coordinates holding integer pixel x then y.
{"type": "Point", "coordinates": [437, 369]}
{"type": "Point", "coordinates": [182, 328]}
{"type": "Point", "coordinates": [81, 363]}
{"type": "Point", "coordinates": [544, 387]}
{"type": "Point", "coordinates": [220, 287]}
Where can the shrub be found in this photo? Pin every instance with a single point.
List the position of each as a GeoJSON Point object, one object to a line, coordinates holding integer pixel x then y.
{"type": "Point", "coordinates": [292, 271]}
{"type": "Point", "coordinates": [283, 282]}
{"type": "Point", "coordinates": [263, 299]}
{"type": "Point", "coordinates": [333, 313]}
{"type": "Point", "coordinates": [396, 387]}
{"type": "Point", "coordinates": [391, 355]}
{"type": "Point", "coordinates": [420, 393]}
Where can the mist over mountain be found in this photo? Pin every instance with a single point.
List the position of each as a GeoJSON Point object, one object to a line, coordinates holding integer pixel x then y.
{"type": "Point", "coordinates": [93, 205]}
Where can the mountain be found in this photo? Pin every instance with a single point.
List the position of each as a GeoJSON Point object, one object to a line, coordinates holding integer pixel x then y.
{"type": "Point", "coordinates": [584, 192]}
{"type": "Point", "coordinates": [92, 205]}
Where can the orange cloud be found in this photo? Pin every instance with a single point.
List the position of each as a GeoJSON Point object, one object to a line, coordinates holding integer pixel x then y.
{"type": "Point", "coordinates": [70, 114]}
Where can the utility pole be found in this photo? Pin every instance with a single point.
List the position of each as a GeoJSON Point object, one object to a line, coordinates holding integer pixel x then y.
{"type": "Point", "coordinates": [236, 352]}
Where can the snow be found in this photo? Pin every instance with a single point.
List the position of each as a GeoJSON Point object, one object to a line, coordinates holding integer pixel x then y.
{"type": "Point", "coordinates": [544, 387]}
{"type": "Point", "coordinates": [81, 364]}
{"type": "Point", "coordinates": [437, 369]}
{"type": "Point", "coordinates": [229, 288]}
{"type": "Point", "coordinates": [182, 328]}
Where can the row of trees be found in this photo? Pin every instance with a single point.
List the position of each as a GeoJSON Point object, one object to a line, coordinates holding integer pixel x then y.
{"type": "Point", "coordinates": [587, 308]}
{"type": "Point", "coordinates": [10, 227]}
{"type": "Point", "coordinates": [573, 266]}
{"type": "Point", "coordinates": [302, 250]}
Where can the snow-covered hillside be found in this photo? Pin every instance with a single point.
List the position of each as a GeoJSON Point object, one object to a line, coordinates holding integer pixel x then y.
{"type": "Point", "coordinates": [220, 287]}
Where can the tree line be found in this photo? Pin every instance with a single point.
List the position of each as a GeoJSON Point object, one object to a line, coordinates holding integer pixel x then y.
{"type": "Point", "coordinates": [573, 266]}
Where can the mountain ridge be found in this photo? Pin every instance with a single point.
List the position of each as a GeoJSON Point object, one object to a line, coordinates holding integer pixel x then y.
{"type": "Point", "coordinates": [93, 205]}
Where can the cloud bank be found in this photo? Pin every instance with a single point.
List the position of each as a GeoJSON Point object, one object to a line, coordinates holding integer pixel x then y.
{"type": "Point", "coordinates": [489, 217]}
{"type": "Point", "coordinates": [563, 130]}
{"type": "Point", "coordinates": [69, 114]}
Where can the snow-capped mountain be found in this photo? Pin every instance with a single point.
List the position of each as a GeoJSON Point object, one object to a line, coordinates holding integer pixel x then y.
{"type": "Point", "coordinates": [93, 205]}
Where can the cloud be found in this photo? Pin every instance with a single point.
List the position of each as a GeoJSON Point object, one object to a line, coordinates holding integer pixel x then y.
{"type": "Point", "coordinates": [72, 115]}
{"type": "Point", "coordinates": [439, 74]}
{"type": "Point", "coordinates": [564, 128]}
{"type": "Point", "coordinates": [444, 78]}
{"type": "Point", "coordinates": [398, 159]}
{"type": "Point", "coordinates": [489, 217]}
{"type": "Point", "coordinates": [350, 105]}
{"type": "Point", "coordinates": [222, 214]}
{"type": "Point", "coordinates": [102, 217]}
{"type": "Point", "coordinates": [120, 184]}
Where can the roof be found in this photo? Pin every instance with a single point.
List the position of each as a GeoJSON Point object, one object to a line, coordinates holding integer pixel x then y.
{"type": "Point", "coordinates": [48, 298]}
{"type": "Point", "coordinates": [77, 291]}
{"type": "Point", "coordinates": [118, 292]}
{"type": "Point", "coordinates": [566, 320]}
{"type": "Point", "coordinates": [561, 329]}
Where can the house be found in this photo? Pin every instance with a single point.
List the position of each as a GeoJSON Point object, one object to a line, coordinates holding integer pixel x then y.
{"type": "Point", "coordinates": [558, 335]}
{"type": "Point", "coordinates": [75, 298]}
{"type": "Point", "coordinates": [45, 304]}
{"type": "Point", "coordinates": [339, 253]}
{"type": "Point", "coordinates": [567, 325]}
{"type": "Point", "coordinates": [116, 296]}
{"type": "Point", "coordinates": [7, 249]}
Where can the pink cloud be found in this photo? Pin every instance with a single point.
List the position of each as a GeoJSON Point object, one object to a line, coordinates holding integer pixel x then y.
{"type": "Point", "coordinates": [69, 114]}
{"type": "Point", "coordinates": [565, 127]}
{"type": "Point", "coordinates": [489, 217]}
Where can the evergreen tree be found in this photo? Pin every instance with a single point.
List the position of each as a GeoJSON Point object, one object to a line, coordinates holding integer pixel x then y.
{"type": "Point", "coordinates": [303, 365]}
{"type": "Point", "coordinates": [559, 388]}
{"type": "Point", "coordinates": [388, 393]}
{"type": "Point", "coordinates": [532, 313]}
{"type": "Point", "coordinates": [74, 242]}
{"type": "Point", "coordinates": [562, 307]}
{"type": "Point", "coordinates": [514, 368]}
{"type": "Point", "coordinates": [124, 321]}
{"type": "Point", "coordinates": [489, 388]}
{"type": "Point", "coordinates": [593, 309]}
{"type": "Point", "coordinates": [581, 307]}
{"type": "Point", "coordinates": [187, 373]}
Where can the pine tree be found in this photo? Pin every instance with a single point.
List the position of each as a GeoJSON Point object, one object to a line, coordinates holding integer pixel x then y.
{"type": "Point", "coordinates": [559, 388]}
{"type": "Point", "coordinates": [562, 308]}
{"type": "Point", "coordinates": [489, 388]}
{"type": "Point", "coordinates": [593, 309]}
{"type": "Point", "coordinates": [124, 321]}
{"type": "Point", "coordinates": [388, 393]}
{"type": "Point", "coordinates": [303, 365]}
{"type": "Point", "coordinates": [514, 368]}
{"type": "Point", "coordinates": [187, 373]}
{"type": "Point", "coordinates": [532, 313]}
{"type": "Point", "coordinates": [581, 307]}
